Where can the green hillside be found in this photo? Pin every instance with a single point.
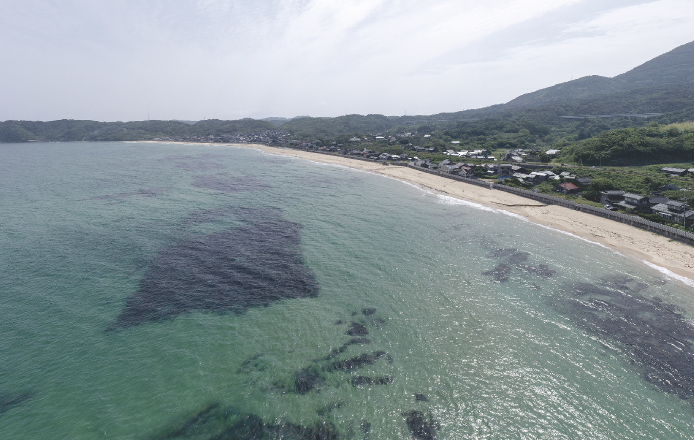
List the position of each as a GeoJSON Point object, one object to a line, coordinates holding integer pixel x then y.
{"type": "Point", "coordinates": [652, 144]}
{"type": "Point", "coordinates": [673, 67]}
{"type": "Point", "coordinates": [672, 71]}
{"type": "Point", "coordinates": [77, 130]}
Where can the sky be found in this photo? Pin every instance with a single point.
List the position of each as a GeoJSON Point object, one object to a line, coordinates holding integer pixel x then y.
{"type": "Point", "coordinates": [130, 60]}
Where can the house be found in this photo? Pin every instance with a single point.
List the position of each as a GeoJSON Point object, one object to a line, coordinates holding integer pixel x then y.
{"type": "Point", "coordinates": [466, 171]}
{"type": "Point", "coordinates": [568, 188]}
{"type": "Point", "coordinates": [675, 206]}
{"type": "Point", "coordinates": [635, 202]}
{"type": "Point", "coordinates": [611, 197]}
{"type": "Point", "coordinates": [504, 169]}
{"type": "Point", "coordinates": [538, 177]}
{"type": "Point", "coordinates": [674, 211]}
{"type": "Point", "coordinates": [584, 180]}
{"type": "Point", "coordinates": [636, 199]}
{"type": "Point", "coordinates": [674, 171]}
{"type": "Point", "coordinates": [669, 187]}
{"type": "Point", "coordinates": [550, 175]}
{"type": "Point", "coordinates": [552, 153]}
{"type": "Point", "coordinates": [522, 177]}
{"type": "Point", "coordinates": [655, 200]}
{"type": "Point", "coordinates": [518, 169]}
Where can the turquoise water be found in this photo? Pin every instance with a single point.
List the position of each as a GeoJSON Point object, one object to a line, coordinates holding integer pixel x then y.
{"type": "Point", "coordinates": [465, 322]}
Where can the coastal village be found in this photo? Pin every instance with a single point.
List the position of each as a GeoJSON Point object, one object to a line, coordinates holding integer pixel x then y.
{"type": "Point", "coordinates": [481, 164]}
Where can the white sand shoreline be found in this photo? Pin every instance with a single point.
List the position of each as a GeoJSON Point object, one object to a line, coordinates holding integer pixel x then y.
{"type": "Point", "coordinates": [672, 258]}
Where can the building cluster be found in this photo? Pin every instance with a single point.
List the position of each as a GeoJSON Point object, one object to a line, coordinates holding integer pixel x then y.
{"type": "Point", "coordinates": [473, 154]}
{"type": "Point", "coordinates": [262, 137]}
{"type": "Point", "coordinates": [671, 210]}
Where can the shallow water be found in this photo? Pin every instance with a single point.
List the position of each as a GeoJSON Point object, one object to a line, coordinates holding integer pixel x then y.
{"type": "Point", "coordinates": [190, 291]}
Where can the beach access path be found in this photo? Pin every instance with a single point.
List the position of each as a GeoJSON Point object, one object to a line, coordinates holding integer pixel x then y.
{"type": "Point", "coordinates": [628, 240]}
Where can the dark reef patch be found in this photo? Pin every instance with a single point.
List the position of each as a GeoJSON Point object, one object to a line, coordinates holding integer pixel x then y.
{"type": "Point", "coordinates": [254, 363]}
{"type": "Point", "coordinates": [503, 253]}
{"type": "Point", "coordinates": [368, 311]}
{"type": "Point", "coordinates": [215, 422]}
{"type": "Point", "coordinates": [233, 270]}
{"type": "Point", "coordinates": [307, 379]}
{"type": "Point", "coordinates": [654, 335]}
{"type": "Point", "coordinates": [360, 361]}
{"type": "Point", "coordinates": [228, 184]}
{"type": "Point", "coordinates": [10, 400]}
{"type": "Point", "coordinates": [198, 166]}
{"type": "Point", "coordinates": [324, 410]}
{"type": "Point", "coordinates": [121, 196]}
{"type": "Point", "coordinates": [354, 341]}
{"type": "Point", "coordinates": [421, 426]}
{"type": "Point", "coordinates": [515, 260]}
{"type": "Point", "coordinates": [500, 273]}
{"type": "Point", "coordinates": [357, 381]}
{"type": "Point", "coordinates": [357, 329]}
{"type": "Point", "coordinates": [421, 398]}
{"type": "Point", "coordinates": [206, 423]}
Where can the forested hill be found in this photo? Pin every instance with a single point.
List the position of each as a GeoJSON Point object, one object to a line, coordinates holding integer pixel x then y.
{"type": "Point", "coordinates": [672, 70]}
{"type": "Point", "coordinates": [77, 130]}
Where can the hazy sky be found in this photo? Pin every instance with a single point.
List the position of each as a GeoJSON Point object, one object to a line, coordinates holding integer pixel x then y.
{"type": "Point", "coordinates": [194, 59]}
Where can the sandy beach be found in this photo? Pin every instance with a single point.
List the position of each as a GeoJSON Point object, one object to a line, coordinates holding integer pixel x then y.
{"type": "Point", "coordinates": [646, 246]}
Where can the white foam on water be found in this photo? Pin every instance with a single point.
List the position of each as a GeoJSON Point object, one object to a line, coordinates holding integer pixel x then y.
{"type": "Point", "coordinates": [448, 200]}
{"type": "Point", "coordinates": [685, 280]}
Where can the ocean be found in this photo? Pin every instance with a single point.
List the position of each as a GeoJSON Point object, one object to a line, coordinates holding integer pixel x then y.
{"type": "Point", "coordinates": [171, 291]}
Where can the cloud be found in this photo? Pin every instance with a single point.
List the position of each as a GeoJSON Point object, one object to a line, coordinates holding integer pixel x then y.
{"type": "Point", "coordinates": [123, 59]}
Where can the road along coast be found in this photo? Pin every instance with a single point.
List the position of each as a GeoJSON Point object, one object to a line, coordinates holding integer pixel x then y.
{"type": "Point", "coordinates": [656, 250]}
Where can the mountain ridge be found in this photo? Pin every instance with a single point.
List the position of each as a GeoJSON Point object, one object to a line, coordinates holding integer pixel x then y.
{"type": "Point", "coordinates": [663, 85]}
{"type": "Point", "coordinates": [672, 67]}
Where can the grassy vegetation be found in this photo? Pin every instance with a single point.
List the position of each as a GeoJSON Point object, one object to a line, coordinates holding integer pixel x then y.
{"type": "Point", "coordinates": [652, 144]}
